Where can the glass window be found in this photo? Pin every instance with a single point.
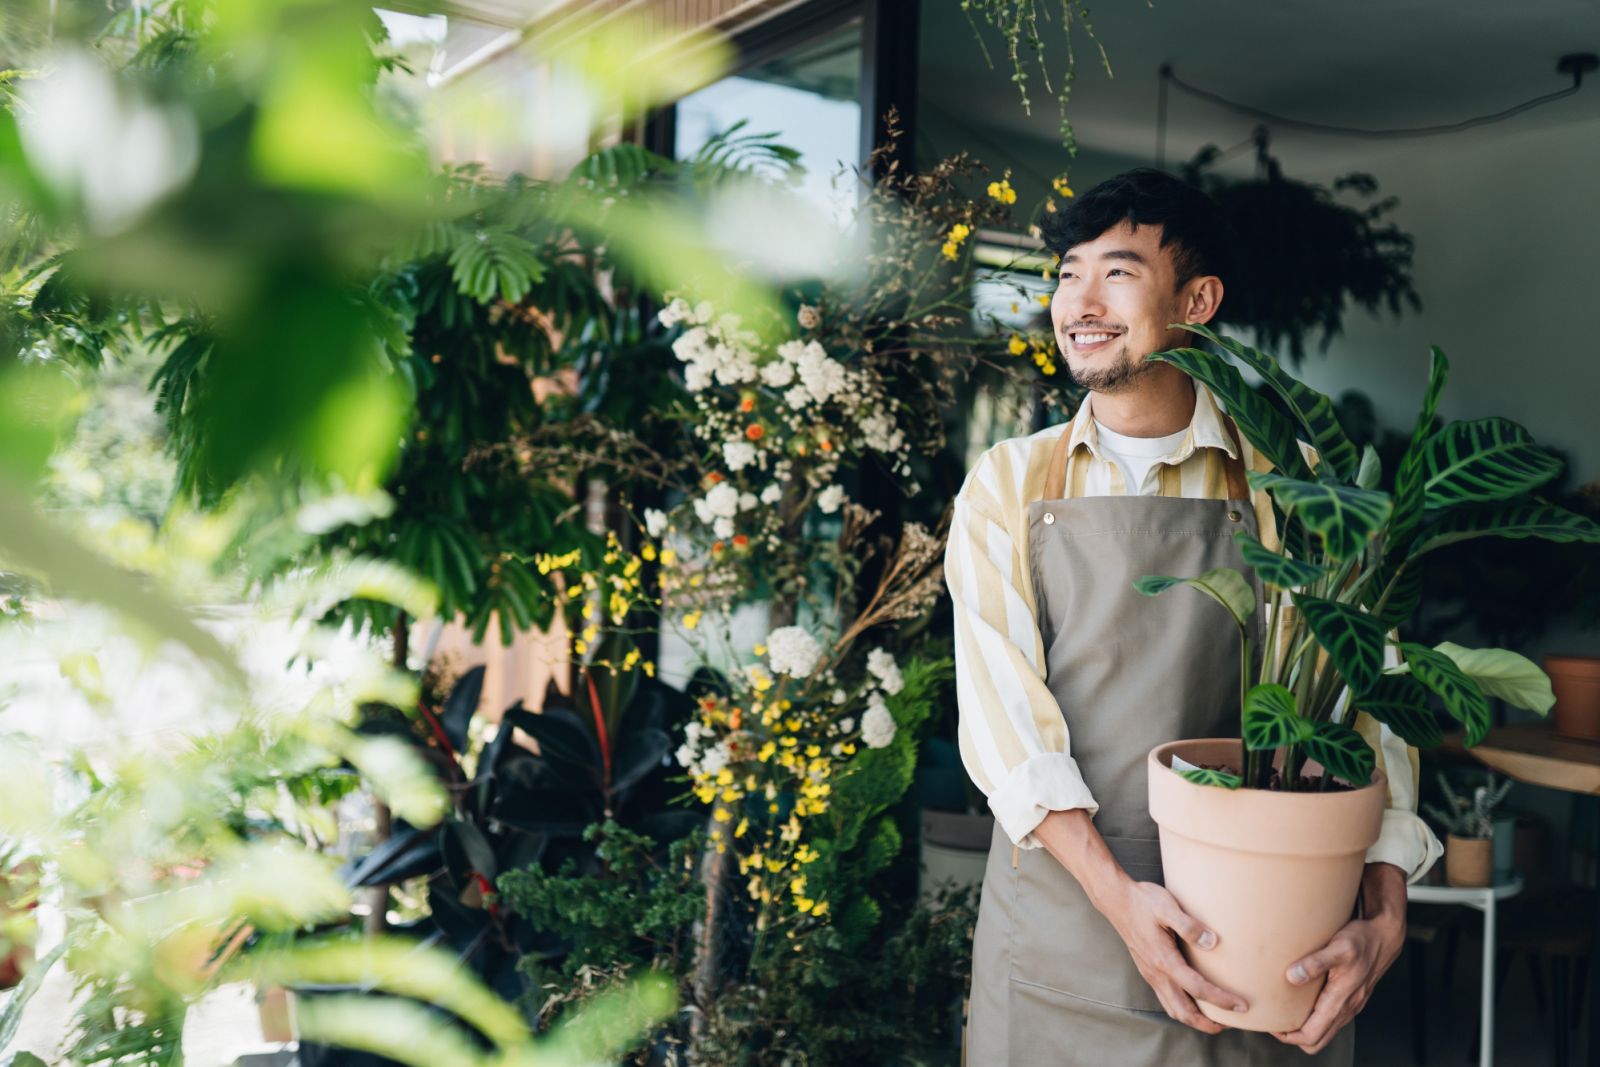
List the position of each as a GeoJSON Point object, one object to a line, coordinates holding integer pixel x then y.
{"type": "Point", "coordinates": [809, 96]}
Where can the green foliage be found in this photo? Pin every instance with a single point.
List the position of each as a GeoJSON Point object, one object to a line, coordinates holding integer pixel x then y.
{"type": "Point", "coordinates": [1344, 517]}
{"type": "Point", "coordinates": [1212, 776]}
{"type": "Point", "coordinates": [1342, 752]}
{"type": "Point", "coordinates": [1462, 697]}
{"type": "Point", "coordinates": [1270, 720]}
{"type": "Point", "coordinates": [1352, 639]}
{"type": "Point", "coordinates": [1275, 569]}
{"type": "Point", "coordinates": [1224, 585]}
{"type": "Point", "coordinates": [634, 911]}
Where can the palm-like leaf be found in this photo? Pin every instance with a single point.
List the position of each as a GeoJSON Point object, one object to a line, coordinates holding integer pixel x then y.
{"type": "Point", "coordinates": [1268, 430]}
{"type": "Point", "coordinates": [1274, 569]}
{"type": "Point", "coordinates": [1342, 515]}
{"type": "Point", "coordinates": [1512, 520]}
{"type": "Point", "coordinates": [1401, 703]}
{"type": "Point", "coordinates": [1484, 460]}
{"type": "Point", "coordinates": [1342, 752]}
{"type": "Point", "coordinates": [1411, 476]}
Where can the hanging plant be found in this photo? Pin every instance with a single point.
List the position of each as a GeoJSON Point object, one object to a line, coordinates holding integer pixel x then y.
{"type": "Point", "coordinates": [1302, 256]}
{"type": "Point", "coordinates": [1018, 23]}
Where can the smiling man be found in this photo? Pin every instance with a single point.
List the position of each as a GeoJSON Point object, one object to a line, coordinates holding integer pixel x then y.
{"type": "Point", "coordinates": [1066, 678]}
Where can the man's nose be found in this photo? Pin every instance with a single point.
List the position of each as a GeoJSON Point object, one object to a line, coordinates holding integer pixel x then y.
{"type": "Point", "coordinates": [1083, 304]}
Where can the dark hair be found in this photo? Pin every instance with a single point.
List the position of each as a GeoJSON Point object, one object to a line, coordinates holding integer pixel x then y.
{"type": "Point", "coordinates": [1191, 223]}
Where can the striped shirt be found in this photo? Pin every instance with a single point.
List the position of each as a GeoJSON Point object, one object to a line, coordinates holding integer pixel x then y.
{"type": "Point", "coordinates": [1014, 740]}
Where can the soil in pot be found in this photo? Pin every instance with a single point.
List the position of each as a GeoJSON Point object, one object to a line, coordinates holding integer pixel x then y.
{"type": "Point", "coordinates": [1274, 874]}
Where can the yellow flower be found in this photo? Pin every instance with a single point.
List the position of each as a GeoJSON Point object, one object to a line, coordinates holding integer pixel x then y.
{"type": "Point", "coordinates": [950, 250]}
{"type": "Point", "coordinates": [725, 776]}
{"type": "Point", "coordinates": [649, 669]}
{"type": "Point", "coordinates": [722, 815]}
{"type": "Point", "coordinates": [774, 866]}
{"type": "Point", "coordinates": [760, 650]}
{"type": "Point", "coordinates": [1017, 345]}
{"type": "Point", "coordinates": [744, 824]}
{"type": "Point", "coordinates": [1044, 299]}
{"type": "Point", "coordinates": [705, 794]}
{"type": "Point", "coordinates": [1002, 191]}
{"type": "Point", "coordinates": [1061, 187]}
{"type": "Point", "coordinates": [648, 552]}
{"type": "Point", "coordinates": [804, 905]}
{"type": "Point", "coordinates": [580, 647]}
{"type": "Point", "coordinates": [960, 231]}
{"type": "Point", "coordinates": [813, 751]}
{"type": "Point", "coordinates": [668, 557]}
{"type": "Point", "coordinates": [691, 620]}
{"type": "Point", "coordinates": [820, 910]}
{"type": "Point", "coordinates": [766, 751]}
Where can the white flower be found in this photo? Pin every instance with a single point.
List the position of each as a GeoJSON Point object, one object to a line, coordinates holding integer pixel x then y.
{"type": "Point", "coordinates": [778, 375]}
{"type": "Point", "coordinates": [703, 311]}
{"type": "Point", "coordinates": [881, 665]}
{"type": "Point", "coordinates": [791, 351]}
{"type": "Point", "coordinates": [772, 493]}
{"type": "Point", "coordinates": [747, 501]}
{"type": "Point", "coordinates": [722, 502]}
{"type": "Point", "coordinates": [685, 751]}
{"type": "Point", "coordinates": [793, 651]}
{"type": "Point", "coordinates": [880, 432]}
{"type": "Point", "coordinates": [838, 697]}
{"type": "Point", "coordinates": [808, 317]}
{"type": "Point", "coordinates": [722, 527]}
{"type": "Point", "coordinates": [847, 724]}
{"type": "Point", "coordinates": [716, 758]}
{"type": "Point", "coordinates": [798, 397]}
{"type": "Point", "coordinates": [674, 312]}
{"type": "Point", "coordinates": [696, 377]}
{"type": "Point", "coordinates": [738, 454]}
{"type": "Point", "coordinates": [877, 725]}
{"type": "Point", "coordinates": [655, 522]}
{"type": "Point", "coordinates": [831, 499]}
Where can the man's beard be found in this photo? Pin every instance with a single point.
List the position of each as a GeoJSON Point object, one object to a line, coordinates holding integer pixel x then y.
{"type": "Point", "coordinates": [1118, 377]}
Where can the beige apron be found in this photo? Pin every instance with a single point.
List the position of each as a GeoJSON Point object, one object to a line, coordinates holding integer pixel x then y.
{"type": "Point", "coordinates": [1052, 983]}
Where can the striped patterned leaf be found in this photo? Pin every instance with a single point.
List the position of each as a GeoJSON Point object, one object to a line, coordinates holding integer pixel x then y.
{"type": "Point", "coordinates": [1207, 776]}
{"type": "Point", "coordinates": [1268, 430]}
{"type": "Point", "coordinates": [1502, 673]}
{"type": "Point", "coordinates": [1514, 521]}
{"type": "Point", "coordinates": [1403, 599]}
{"type": "Point", "coordinates": [1275, 569]}
{"type": "Point", "coordinates": [1410, 476]}
{"type": "Point", "coordinates": [1353, 639]}
{"type": "Point", "coordinates": [1400, 702]}
{"type": "Point", "coordinates": [1342, 752]}
{"type": "Point", "coordinates": [1270, 719]}
{"type": "Point", "coordinates": [1224, 585]}
{"type": "Point", "coordinates": [1462, 697]}
{"type": "Point", "coordinates": [1311, 409]}
{"type": "Point", "coordinates": [1342, 515]}
{"type": "Point", "coordinates": [1484, 460]}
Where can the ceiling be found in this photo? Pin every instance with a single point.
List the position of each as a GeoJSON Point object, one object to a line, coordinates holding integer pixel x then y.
{"type": "Point", "coordinates": [1363, 63]}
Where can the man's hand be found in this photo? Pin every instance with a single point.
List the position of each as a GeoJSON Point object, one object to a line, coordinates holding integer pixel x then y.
{"type": "Point", "coordinates": [1145, 916]}
{"type": "Point", "coordinates": [1148, 919]}
{"type": "Point", "coordinates": [1354, 960]}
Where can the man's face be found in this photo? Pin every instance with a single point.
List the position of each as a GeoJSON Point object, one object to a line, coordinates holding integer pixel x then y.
{"type": "Point", "coordinates": [1114, 297]}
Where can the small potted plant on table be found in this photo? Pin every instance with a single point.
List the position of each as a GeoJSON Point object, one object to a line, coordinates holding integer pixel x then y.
{"type": "Point", "coordinates": [1469, 827]}
{"type": "Point", "coordinates": [1264, 841]}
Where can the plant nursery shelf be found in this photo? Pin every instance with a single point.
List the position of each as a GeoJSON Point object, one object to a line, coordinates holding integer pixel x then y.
{"type": "Point", "coordinates": [1535, 753]}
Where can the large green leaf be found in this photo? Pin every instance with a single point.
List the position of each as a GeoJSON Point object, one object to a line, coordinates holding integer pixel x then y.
{"type": "Point", "coordinates": [1354, 640]}
{"type": "Point", "coordinates": [1342, 752]}
{"type": "Point", "coordinates": [1463, 698]}
{"type": "Point", "coordinates": [1500, 673]}
{"type": "Point", "coordinates": [1270, 720]}
{"type": "Point", "coordinates": [1268, 430]}
{"type": "Point", "coordinates": [1515, 521]}
{"type": "Point", "coordinates": [1207, 776]}
{"type": "Point", "coordinates": [1411, 475]}
{"type": "Point", "coordinates": [1224, 585]}
{"type": "Point", "coordinates": [1483, 460]}
{"type": "Point", "coordinates": [1311, 409]}
{"type": "Point", "coordinates": [1400, 702]}
{"type": "Point", "coordinates": [1274, 569]}
{"type": "Point", "coordinates": [1403, 598]}
{"type": "Point", "coordinates": [1342, 515]}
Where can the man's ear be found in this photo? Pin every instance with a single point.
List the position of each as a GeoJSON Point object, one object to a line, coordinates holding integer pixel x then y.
{"type": "Point", "coordinates": [1203, 296]}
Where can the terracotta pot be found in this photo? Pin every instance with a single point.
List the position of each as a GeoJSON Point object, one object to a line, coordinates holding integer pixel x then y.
{"type": "Point", "coordinates": [1468, 861]}
{"type": "Point", "coordinates": [1576, 681]}
{"type": "Point", "coordinates": [1274, 875]}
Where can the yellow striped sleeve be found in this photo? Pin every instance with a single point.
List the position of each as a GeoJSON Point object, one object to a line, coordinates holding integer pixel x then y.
{"type": "Point", "coordinates": [1013, 737]}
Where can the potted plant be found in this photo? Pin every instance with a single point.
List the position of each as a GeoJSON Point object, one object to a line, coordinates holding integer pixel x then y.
{"type": "Point", "coordinates": [1469, 825]}
{"type": "Point", "coordinates": [1264, 840]}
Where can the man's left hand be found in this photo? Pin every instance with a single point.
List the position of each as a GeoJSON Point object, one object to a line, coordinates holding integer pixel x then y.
{"type": "Point", "coordinates": [1354, 960]}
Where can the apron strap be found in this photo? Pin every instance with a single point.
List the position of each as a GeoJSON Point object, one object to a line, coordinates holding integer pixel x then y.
{"type": "Point", "coordinates": [1055, 479]}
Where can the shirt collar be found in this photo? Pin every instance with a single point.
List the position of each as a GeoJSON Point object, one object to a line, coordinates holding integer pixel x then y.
{"type": "Point", "coordinates": [1205, 430]}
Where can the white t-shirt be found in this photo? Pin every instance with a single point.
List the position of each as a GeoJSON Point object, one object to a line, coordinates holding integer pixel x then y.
{"type": "Point", "coordinates": [1136, 455]}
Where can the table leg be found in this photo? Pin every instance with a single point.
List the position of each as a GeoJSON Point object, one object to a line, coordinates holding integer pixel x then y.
{"type": "Point", "coordinates": [1486, 1023]}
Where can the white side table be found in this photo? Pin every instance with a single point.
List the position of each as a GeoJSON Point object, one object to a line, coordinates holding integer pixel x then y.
{"type": "Point", "coordinates": [1483, 899]}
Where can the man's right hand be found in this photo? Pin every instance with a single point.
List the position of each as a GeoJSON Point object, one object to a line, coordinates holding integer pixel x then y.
{"type": "Point", "coordinates": [1145, 916]}
{"type": "Point", "coordinates": [1148, 918]}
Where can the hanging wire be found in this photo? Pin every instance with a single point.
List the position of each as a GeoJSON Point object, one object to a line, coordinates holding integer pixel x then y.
{"type": "Point", "coordinates": [1576, 65]}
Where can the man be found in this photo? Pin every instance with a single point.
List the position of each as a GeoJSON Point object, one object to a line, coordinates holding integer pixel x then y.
{"type": "Point", "coordinates": [1066, 677]}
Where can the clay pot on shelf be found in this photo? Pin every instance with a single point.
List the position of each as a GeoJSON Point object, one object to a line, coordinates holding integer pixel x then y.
{"type": "Point", "coordinates": [1576, 682]}
{"type": "Point", "coordinates": [1469, 861]}
{"type": "Point", "coordinates": [1274, 874]}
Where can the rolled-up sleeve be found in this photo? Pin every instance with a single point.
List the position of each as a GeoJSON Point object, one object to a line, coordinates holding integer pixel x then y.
{"type": "Point", "coordinates": [1012, 734]}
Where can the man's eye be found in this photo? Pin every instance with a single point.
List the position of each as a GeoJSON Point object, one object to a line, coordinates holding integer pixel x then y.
{"type": "Point", "coordinates": [1116, 270]}
{"type": "Point", "coordinates": [1065, 275]}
